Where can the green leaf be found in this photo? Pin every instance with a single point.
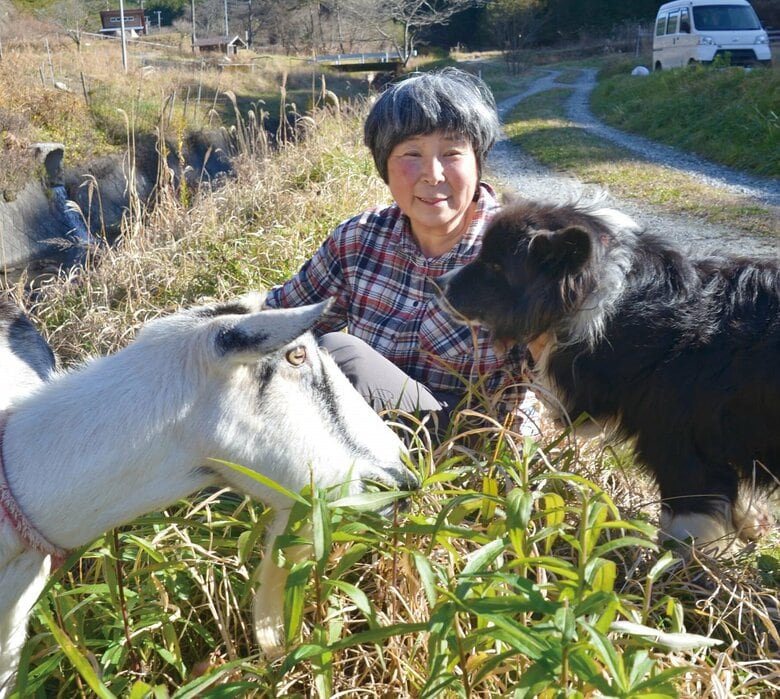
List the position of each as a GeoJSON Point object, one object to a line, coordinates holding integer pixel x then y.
{"type": "Point", "coordinates": [601, 573]}
{"type": "Point", "coordinates": [361, 600]}
{"type": "Point", "coordinates": [672, 641]}
{"type": "Point", "coordinates": [666, 560]}
{"type": "Point", "coordinates": [534, 680]}
{"type": "Point", "coordinates": [641, 665]}
{"type": "Point", "coordinates": [82, 665]}
{"type": "Point", "coordinates": [558, 566]}
{"type": "Point", "coordinates": [490, 491]}
{"type": "Point", "coordinates": [623, 542]}
{"type": "Point", "coordinates": [660, 684]}
{"type": "Point", "coordinates": [477, 562]}
{"type": "Point", "coordinates": [566, 623]}
{"type": "Point", "coordinates": [427, 577]}
{"type": "Point", "coordinates": [321, 531]}
{"type": "Point", "coordinates": [554, 508]}
{"type": "Point", "coordinates": [609, 656]}
{"type": "Point", "coordinates": [260, 478]}
{"type": "Point", "coordinates": [529, 641]}
{"type": "Point", "coordinates": [369, 501]}
{"type": "Point", "coordinates": [519, 506]}
{"type": "Point", "coordinates": [295, 598]}
{"type": "Point", "coordinates": [140, 690]}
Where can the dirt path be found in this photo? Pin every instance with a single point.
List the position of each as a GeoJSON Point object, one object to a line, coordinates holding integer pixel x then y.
{"type": "Point", "coordinates": [511, 169]}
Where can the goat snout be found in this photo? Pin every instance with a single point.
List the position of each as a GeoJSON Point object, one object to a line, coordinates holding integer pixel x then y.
{"type": "Point", "coordinates": [406, 480]}
{"type": "Point", "coordinates": [394, 478]}
{"type": "Point", "coordinates": [398, 479]}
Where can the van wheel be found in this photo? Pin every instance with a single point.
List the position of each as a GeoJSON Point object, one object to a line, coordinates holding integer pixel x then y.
{"type": "Point", "coordinates": [657, 65]}
{"type": "Point", "coordinates": [692, 63]}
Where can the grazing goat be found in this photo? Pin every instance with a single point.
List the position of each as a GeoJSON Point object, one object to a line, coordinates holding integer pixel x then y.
{"type": "Point", "coordinates": [136, 431]}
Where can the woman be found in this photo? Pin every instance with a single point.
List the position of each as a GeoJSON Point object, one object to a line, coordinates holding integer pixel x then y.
{"type": "Point", "coordinates": [429, 136]}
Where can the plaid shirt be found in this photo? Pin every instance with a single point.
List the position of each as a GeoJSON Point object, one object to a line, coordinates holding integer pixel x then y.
{"type": "Point", "coordinates": [384, 294]}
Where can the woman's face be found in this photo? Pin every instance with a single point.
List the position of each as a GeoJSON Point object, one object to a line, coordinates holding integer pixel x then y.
{"type": "Point", "coordinates": [433, 179]}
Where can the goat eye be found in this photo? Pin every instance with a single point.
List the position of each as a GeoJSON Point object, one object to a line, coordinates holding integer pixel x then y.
{"type": "Point", "coordinates": [296, 356]}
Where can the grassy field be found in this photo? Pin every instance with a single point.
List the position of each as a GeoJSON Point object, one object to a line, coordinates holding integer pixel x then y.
{"type": "Point", "coordinates": [727, 115]}
{"type": "Point", "coordinates": [538, 127]}
{"type": "Point", "coordinates": [522, 568]}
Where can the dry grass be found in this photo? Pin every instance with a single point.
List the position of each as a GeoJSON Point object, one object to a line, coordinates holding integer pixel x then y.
{"type": "Point", "coordinates": [251, 234]}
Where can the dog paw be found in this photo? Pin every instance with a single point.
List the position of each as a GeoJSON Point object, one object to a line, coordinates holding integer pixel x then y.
{"type": "Point", "coordinates": [752, 519]}
{"type": "Point", "coordinates": [709, 533]}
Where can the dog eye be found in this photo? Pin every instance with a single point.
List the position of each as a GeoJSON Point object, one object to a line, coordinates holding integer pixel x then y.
{"type": "Point", "coordinates": [296, 356]}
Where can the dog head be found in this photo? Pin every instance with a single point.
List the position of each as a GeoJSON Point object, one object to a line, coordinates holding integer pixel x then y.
{"type": "Point", "coordinates": [539, 266]}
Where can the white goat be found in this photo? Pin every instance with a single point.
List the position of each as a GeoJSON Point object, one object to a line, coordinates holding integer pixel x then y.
{"type": "Point", "coordinates": [136, 431]}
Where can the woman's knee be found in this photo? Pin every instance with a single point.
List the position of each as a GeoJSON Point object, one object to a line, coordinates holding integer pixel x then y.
{"type": "Point", "coordinates": [377, 379]}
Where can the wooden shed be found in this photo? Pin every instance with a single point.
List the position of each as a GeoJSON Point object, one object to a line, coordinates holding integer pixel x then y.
{"type": "Point", "coordinates": [222, 44]}
{"type": "Point", "coordinates": [135, 21]}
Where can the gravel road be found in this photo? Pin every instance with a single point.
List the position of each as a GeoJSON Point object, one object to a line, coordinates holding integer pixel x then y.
{"type": "Point", "coordinates": [510, 169]}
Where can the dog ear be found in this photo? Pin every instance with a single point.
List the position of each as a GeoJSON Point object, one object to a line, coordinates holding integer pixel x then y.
{"type": "Point", "coordinates": [560, 252]}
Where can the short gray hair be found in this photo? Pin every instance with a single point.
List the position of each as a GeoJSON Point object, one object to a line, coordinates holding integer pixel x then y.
{"type": "Point", "coordinates": [448, 100]}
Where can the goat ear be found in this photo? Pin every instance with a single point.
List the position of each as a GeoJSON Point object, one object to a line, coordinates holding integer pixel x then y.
{"type": "Point", "coordinates": [266, 331]}
{"type": "Point", "coordinates": [560, 253]}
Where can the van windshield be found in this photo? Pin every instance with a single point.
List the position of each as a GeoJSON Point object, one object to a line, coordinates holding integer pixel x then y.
{"type": "Point", "coordinates": [718, 18]}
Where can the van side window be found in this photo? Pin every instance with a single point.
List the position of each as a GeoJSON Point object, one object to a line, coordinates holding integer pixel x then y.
{"type": "Point", "coordinates": [685, 21]}
{"type": "Point", "coordinates": [671, 24]}
{"type": "Point", "coordinates": [660, 25]}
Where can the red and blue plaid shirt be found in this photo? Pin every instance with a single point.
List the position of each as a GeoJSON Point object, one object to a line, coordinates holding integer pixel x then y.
{"type": "Point", "coordinates": [384, 294]}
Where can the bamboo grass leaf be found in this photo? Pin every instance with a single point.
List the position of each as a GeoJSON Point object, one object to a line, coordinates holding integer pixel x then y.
{"type": "Point", "coordinates": [260, 478]}
{"type": "Point", "coordinates": [81, 664]}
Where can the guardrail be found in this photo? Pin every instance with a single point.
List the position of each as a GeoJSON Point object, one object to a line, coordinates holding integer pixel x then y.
{"type": "Point", "coordinates": [774, 36]}
{"type": "Point", "coordinates": [359, 58]}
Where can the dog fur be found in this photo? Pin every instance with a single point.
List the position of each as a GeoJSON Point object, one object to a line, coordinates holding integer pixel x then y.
{"type": "Point", "coordinates": [677, 352]}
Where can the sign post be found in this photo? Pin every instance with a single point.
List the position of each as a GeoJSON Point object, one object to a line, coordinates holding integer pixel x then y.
{"type": "Point", "coordinates": [124, 38]}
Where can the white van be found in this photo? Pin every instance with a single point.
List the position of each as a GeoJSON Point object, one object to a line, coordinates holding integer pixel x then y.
{"type": "Point", "coordinates": [699, 31]}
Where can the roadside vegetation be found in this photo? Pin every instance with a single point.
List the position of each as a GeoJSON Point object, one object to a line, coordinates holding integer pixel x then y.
{"type": "Point", "coordinates": [729, 117]}
{"type": "Point", "coordinates": [524, 567]}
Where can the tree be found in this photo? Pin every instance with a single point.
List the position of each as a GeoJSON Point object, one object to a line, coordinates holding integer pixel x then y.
{"type": "Point", "coordinates": [516, 23]}
{"type": "Point", "coordinates": [169, 10]}
{"type": "Point", "coordinates": [411, 16]}
{"type": "Point", "coordinates": [543, 22]}
{"type": "Point", "coordinates": [74, 16]}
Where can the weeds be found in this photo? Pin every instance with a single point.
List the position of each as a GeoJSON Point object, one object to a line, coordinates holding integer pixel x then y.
{"type": "Point", "coordinates": [526, 582]}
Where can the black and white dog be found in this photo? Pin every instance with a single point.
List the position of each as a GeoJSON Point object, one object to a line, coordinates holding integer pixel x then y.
{"type": "Point", "coordinates": [679, 353]}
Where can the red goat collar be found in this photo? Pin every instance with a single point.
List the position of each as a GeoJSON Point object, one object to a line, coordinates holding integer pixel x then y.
{"type": "Point", "coordinates": [9, 508]}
